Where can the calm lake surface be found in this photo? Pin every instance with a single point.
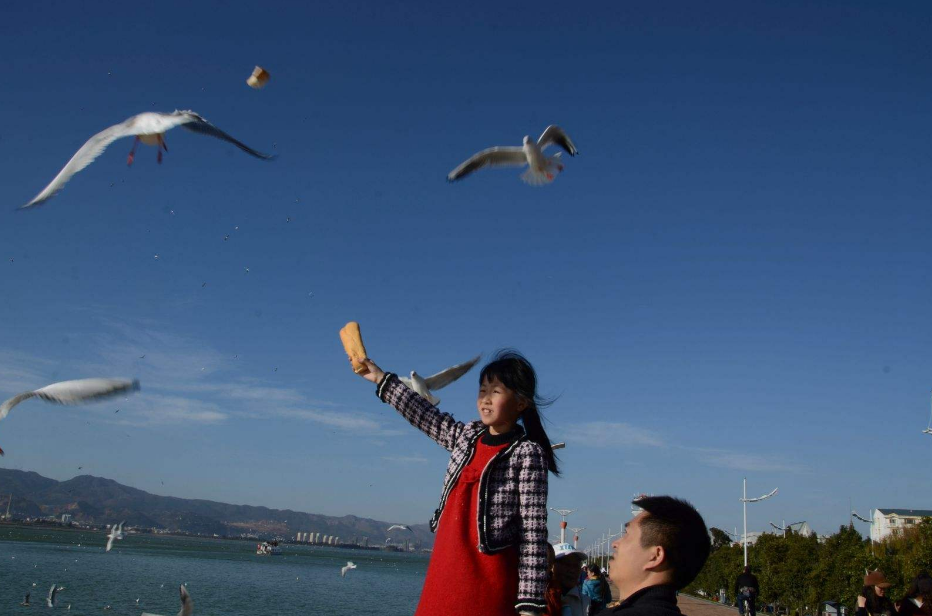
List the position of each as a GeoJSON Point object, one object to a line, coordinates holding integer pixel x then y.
{"type": "Point", "coordinates": [224, 578]}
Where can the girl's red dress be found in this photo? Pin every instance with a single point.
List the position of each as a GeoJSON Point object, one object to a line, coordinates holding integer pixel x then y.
{"type": "Point", "coordinates": [461, 581]}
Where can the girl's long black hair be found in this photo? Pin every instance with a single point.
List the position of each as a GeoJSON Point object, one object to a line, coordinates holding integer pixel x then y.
{"type": "Point", "coordinates": [517, 374]}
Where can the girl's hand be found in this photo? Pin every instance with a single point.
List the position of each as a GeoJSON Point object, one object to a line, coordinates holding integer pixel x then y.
{"type": "Point", "coordinates": [862, 601]}
{"type": "Point", "coordinates": [375, 373]}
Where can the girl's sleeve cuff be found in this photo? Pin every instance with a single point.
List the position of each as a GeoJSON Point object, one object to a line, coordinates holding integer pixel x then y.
{"type": "Point", "coordinates": [382, 383]}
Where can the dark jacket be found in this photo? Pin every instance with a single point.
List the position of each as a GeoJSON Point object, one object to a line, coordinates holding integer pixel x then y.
{"type": "Point", "coordinates": [650, 601]}
{"type": "Point", "coordinates": [908, 608]}
{"type": "Point", "coordinates": [512, 488]}
{"type": "Point", "coordinates": [746, 579]}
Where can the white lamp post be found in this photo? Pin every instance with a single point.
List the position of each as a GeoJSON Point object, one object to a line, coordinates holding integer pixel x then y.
{"type": "Point", "coordinates": [576, 532]}
{"type": "Point", "coordinates": [563, 513]}
{"type": "Point", "coordinates": [744, 501]}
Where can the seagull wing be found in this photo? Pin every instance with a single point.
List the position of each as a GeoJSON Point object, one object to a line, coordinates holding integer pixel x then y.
{"type": "Point", "coordinates": [555, 135]}
{"type": "Point", "coordinates": [9, 404]}
{"type": "Point", "coordinates": [110, 539]}
{"type": "Point", "coordinates": [492, 157]}
{"type": "Point", "coordinates": [197, 124]}
{"type": "Point", "coordinates": [51, 598]}
{"type": "Point", "coordinates": [84, 390]}
{"type": "Point", "coordinates": [187, 605]}
{"type": "Point", "coordinates": [445, 377]}
{"type": "Point", "coordinates": [93, 148]}
{"type": "Point", "coordinates": [343, 571]}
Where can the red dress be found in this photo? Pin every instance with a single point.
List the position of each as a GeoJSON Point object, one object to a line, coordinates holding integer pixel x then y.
{"type": "Point", "coordinates": [461, 581]}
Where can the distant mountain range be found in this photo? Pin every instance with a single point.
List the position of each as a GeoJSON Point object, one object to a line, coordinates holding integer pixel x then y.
{"type": "Point", "coordinates": [95, 500]}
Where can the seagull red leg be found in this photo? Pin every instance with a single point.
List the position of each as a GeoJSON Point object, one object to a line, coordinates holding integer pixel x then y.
{"type": "Point", "coordinates": [160, 146]}
{"type": "Point", "coordinates": [132, 153]}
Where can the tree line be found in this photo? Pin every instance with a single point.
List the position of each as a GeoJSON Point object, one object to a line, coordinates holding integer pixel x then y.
{"type": "Point", "coordinates": [797, 573]}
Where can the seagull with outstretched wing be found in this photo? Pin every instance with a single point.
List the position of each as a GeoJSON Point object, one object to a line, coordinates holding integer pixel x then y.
{"type": "Point", "coordinates": [115, 533]}
{"type": "Point", "coordinates": [187, 605]}
{"type": "Point", "coordinates": [423, 386]}
{"type": "Point", "coordinates": [541, 169]}
{"type": "Point", "coordinates": [50, 600]}
{"type": "Point", "coordinates": [349, 565]}
{"type": "Point", "coordinates": [149, 128]}
{"type": "Point", "coordinates": [72, 392]}
{"type": "Point", "coordinates": [399, 527]}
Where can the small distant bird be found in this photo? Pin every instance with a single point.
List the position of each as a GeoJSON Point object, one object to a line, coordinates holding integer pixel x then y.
{"type": "Point", "coordinates": [203, 285]}
{"type": "Point", "coordinates": [116, 532]}
{"type": "Point", "coordinates": [60, 588]}
{"type": "Point", "coordinates": [399, 527]}
{"type": "Point", "coordinates": [156, 257]}
{"type": "Point", "coordinates": [50, 600]}
{"type": "Point", "coordinates": [25, 600]}
{"type": "Point", "coordinates": [116, 411]}
{"type": "Point", "coordinates": [143, 356]}
{"type": "Point", "coordinates": [137, 600]}
{"type": "Point", "coordinates": [557, 445]}
{"type": "Point", "coordinates": [247, 269]}
{"type": "Point", "coordinates": [541, 169]}
{"type": "Point", "coordinates": [440, 380]}
{"type": "Point", "coordinates": [149, 128]}
{"type": "Point", "coordinates": [72, 392]}
{"type": "Point", "coordinates": [349, 565]}
{"type": "Point", "coordinates": [226, 237]}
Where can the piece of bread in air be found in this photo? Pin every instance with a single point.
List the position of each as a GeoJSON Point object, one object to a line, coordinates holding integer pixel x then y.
{"type": "Point", "coordinates": [352, 344]}
{"type": "Point", "coordinates": [258, 79]}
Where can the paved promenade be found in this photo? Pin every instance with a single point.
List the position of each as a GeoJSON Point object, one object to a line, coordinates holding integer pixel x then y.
{"type": "Point", "coordinates": [693, 606]}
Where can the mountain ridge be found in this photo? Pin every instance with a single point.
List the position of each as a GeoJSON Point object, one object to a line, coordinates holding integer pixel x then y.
{"type": "Point", "coordinates": [99, 500]}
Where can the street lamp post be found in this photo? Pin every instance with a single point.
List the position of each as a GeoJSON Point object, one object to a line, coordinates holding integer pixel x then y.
{"type": "Point", "coordinates": [563, 513]}
{"type": "Point", "coordinates": [576, 532]}
{"type": "Point", "coordinates": [744, 501]}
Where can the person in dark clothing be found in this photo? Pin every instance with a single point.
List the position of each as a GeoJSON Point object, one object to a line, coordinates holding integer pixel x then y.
{"type": "Point", "coordinates": [661, 551]}
{"type": "Point", "coordinates": [746, 590]}
{"type": "Point", "coordinates": [873, 600]}
{"type": "Point", "coordinates": [918, 599]}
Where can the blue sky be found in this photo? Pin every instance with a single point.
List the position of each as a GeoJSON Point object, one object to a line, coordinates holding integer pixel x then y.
{"type": "Point", "coordinates": [733, 278]}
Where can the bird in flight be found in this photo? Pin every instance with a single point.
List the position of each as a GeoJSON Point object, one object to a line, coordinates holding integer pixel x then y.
{"type": "Point", "coordinates": [424, 386]}
{"type": "Point", "coordinates": [149, 128]}
{"type": "Point", "coordinates": [541, 169]}
{"type": "Point", "coordinates": [349, 565]}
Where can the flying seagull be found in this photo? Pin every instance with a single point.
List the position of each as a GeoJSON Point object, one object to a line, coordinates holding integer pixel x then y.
{"type": "Point", "coordinates": [440, 380]}
{"type": "Point", "coordinates": [557, 445]}
{"type": "Point", "coordinates": [72, 392]}
{"type": "Point", "coordinates": [149, 128]}
{"type": "Point", "coordinates": [50, 600]}
{"type": "Point", "coordinates": [541, 169]}
{"type": "Point", "coordinates": [349, 565]}
{"type": "Point", "coordinates": [187, 605]}
{"type": "Point", "coordinates": [115, 533]}
{"type": "Point", "coordinates": [399, 527]}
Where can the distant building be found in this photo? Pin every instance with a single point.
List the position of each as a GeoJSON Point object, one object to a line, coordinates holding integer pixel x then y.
{"type": "Point", "coordinates": [887, 522]}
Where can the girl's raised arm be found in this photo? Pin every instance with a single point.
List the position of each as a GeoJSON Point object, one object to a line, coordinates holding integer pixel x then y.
{"type": "Point", "coordinates": [420, 413]}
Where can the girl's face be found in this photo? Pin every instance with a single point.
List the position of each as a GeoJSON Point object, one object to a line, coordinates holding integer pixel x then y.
{"type": "Point", "coordinates": [499, 407]}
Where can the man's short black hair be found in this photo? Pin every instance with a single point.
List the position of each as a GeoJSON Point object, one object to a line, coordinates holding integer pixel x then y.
{"type": "Point", "coordinates": [677, 527]}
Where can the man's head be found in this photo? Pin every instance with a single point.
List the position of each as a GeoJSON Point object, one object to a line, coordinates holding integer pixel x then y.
{"type": "Point", "coordinates": [747, 568]}
{"type": "Point", "coordinates": [667, 543]}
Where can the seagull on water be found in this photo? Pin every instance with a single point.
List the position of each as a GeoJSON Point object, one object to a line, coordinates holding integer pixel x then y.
{"type": "Point", "coordinates": [116, 532]}
{"type": "Point", "coordinates": [72, 392]}
{"type": "Point", "coordinates": [149, 128]}
{"type": "Point", "coordinates": [349, 565]}
{"type": "Point", "coordinates": [187, 605]}
{"type": "Point", "coordinates": [541, 169]}
{"type": "Point", "coordinates": [50, 600]}
{"type": "Point", "coordinates": [25, 600]}
{"type": "Point", "coordinates": [399, 527]}
{"type": "Point", "coordinates": [440, 380]}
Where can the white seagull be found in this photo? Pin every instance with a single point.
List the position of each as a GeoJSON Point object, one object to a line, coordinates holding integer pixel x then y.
{"type": "Point", "coordinates": [115, 533]}
{"type": "Point", "coordinates": [72, 392]}
{"type": "Point", "coordinates": [50, 600]}
{"type": "Point", "coordinates": [149, 128]}
{"type": "Point", "coordinates": [440, 380]}
{"type": "Point", "coordinates": [399, 527]}
{"type": "Point", "coordinates": [541, 169]}
{"type": "Point", "coordinates": [349, 565]}
{"type": "Point", "coordinates": [187, 605]}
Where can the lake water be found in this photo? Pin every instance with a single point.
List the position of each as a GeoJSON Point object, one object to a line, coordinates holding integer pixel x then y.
{"type": "Point", "coordinates": [224, 578]}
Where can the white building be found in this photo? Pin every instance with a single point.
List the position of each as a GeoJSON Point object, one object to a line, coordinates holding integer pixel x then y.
{"type": "Point", "coordinates": [886, 522]}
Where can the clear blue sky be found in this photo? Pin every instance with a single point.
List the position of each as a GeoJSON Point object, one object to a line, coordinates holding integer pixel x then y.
{"type": "Point", "coordinates": [734, 277]}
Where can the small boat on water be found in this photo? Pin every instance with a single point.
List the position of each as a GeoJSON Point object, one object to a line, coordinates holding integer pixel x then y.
{"type": "Point", "coordinates": [268, 548]}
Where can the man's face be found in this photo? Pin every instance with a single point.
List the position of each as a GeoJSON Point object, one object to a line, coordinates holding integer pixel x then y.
{"type": "Point", "coordinates": [566, 571]}
{"type": "Point", "coordinates": [629, 558]}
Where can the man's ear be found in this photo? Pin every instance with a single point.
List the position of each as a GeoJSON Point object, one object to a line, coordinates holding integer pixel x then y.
{"type": "Point", "coordinates": [657, 560]}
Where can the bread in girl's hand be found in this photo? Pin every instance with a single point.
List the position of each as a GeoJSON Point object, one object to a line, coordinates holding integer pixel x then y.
{"type": "Point", "coordinates": [352, 344]}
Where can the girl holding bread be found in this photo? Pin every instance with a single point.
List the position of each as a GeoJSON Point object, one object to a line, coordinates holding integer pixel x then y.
{"type": "Point", "coordinates": [490, 555]}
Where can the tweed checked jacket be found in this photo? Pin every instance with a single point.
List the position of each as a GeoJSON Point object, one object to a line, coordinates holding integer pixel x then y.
{"type": "Point", "coordinates": [512, 488]}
